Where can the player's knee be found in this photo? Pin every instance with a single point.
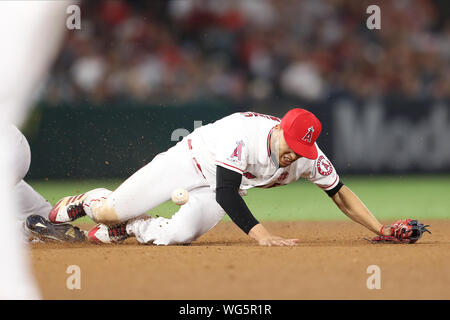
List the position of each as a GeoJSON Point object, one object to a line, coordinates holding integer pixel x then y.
{"type": "Point", "coordinates": [98, 208]}
{"type": "Point", "coordinates": [22, 157]}
{"type": "Point", "coordinates": [105, 214]}
{"type": "Point", "coordinates": [102, 212]}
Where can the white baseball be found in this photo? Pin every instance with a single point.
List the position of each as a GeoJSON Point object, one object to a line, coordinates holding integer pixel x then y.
{"type": "Point", "coordinates": [180, 196]}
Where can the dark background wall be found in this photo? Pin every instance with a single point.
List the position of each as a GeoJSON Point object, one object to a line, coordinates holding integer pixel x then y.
{"type": "Point", "coordinates": [85, 141]}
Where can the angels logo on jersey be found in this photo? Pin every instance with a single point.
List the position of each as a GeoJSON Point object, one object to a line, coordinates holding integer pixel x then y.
{"type": "Point", "coordinates": [308, 135]}
{"type": "Point", "coordinates": [324, 166]}
{"type": "Point", "coordinates": [237, 153]}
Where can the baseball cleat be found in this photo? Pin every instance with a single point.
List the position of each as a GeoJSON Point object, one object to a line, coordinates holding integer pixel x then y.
{"type": "Point", "coordinates": [102, 233]}
{"type": "Point", "coordinates": [45, 230]}
{"type": "Point", "coordinates": [70, 208]}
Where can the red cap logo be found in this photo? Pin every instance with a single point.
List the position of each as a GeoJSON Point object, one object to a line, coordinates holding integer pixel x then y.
{"type": "Point", "coordinates": [308, 136]}
{"type": "Point", "coordinates": [300, 130]}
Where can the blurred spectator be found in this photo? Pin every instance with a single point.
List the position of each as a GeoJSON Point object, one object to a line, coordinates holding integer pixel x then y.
{"type": "Point", "coordinates": [179, 50]}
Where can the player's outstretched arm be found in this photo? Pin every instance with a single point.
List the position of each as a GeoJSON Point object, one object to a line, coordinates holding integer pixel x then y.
{"type": "Point", "coordinates": [227, 195]}
{"type": "Point", "coordinates": [355, 209]}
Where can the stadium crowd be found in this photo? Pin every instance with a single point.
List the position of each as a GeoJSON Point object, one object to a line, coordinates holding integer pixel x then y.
{"type": "Point", "coordinates": [180, 50]}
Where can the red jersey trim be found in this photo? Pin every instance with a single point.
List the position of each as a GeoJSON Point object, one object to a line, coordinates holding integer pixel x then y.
{"type": "Point", "coordinates": [189, 142]}
{"type": "Point", "coordinates": [236, 168]}
{"type": "Point", "coordinates": [331, 185]}
{"type": "Point", "coordinates": [199, 167]}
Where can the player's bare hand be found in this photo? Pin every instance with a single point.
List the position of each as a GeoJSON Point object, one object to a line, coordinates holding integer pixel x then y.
{"type": "Point", "coordinates": [277, 241]}
{"type": "Point", "coordinates": [264, 238]}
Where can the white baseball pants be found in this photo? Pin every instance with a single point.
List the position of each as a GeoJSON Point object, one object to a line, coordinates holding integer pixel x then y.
{"type": "Point", "coordinates": [29, 201]}
{"type": "Point", "coordinates": [153, 185]}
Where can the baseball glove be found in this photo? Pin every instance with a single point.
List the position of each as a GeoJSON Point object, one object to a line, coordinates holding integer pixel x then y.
{"type": "Point", "coordinates": [403, 231]}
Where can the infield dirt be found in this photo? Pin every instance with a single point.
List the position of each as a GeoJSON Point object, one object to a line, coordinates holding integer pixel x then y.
{"type": "Point", "coordinates": [330, 262]}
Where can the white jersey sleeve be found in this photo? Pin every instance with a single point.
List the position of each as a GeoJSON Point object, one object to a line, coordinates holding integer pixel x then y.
{"type": "Point", "coordinates": [232, 154]}
{"type": "Point", "coordinates": [323, 174]}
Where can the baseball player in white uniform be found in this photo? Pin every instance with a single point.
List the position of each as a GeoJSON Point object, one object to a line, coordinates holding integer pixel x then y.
{"type": "Point", "coordinates": [216, 164]}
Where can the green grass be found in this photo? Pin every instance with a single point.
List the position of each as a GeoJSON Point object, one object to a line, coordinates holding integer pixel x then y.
{"type": "Point", "coordinates": [388, 197]}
